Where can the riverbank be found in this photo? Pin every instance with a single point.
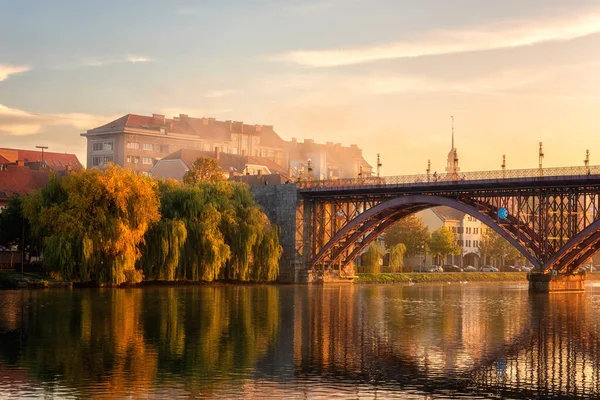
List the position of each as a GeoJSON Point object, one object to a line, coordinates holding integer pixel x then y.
{"type": "Point", "coordinates": [419, 277]}
{"type": "Point", "coordinates": [10, 279]}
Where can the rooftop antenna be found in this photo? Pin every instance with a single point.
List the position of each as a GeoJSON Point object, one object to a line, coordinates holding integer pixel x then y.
{"type": "Point", "coordinates": [43, 148]}
{"type": "Point", "coordinates": [378, 165]}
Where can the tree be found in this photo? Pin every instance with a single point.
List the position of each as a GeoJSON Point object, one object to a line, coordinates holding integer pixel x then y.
{"type": "Point", "coordinates": [412, 232]}
{"type": "Point", "coordinates": [397, 257]}
{"type": "Point", "coordinates": [210, 231]}
{"type": "Point", "coordinates": [92, 223]}
{"type": "Point", "coordinates": [11, 224]}
{"type": "Point", "coordinates": [497, 248]}
{"type": "Point", "coordinates": [443, 243]}
{"type": "Point", "coordinates": [371, 259]}
{"type": "Point", "coordinates": [203, 170]}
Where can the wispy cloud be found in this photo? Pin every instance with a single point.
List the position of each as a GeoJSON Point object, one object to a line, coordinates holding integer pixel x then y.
{"type": "Point", "coordinates": [8, 70]}
{"type": "Point", "coordinates": [508, 34]}
{"type": "Point", "coordinates": [129, 58]}
{"type": "Point", "coordinates": [15, 122]}
{"type": "Point", "coordinates": [220, 93]}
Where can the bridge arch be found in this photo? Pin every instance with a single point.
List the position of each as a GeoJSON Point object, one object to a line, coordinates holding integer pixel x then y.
{"type": "Point", "coordinates": [373, 222]}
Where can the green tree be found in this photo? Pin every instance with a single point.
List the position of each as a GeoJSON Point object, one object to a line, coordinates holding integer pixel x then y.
{"type": "Point", "coordinates": [497, 248]}
{"type": "Point", "coordinates": [92, 223]}
{"type": "Point", "coordinates": [371, 259]}
{"type": "Point", "coordinates": [443, 243]}
{"type": "Point", "coordinates": [11, 224]}
{"type": "Point", "coordinates": [203, 170]}
{"type": "Point", "coordinates": [412, 232]}
{"type": "Point", "coordinates": [397, 257]}
{"type": "Point", "coordinates": [211, 231]}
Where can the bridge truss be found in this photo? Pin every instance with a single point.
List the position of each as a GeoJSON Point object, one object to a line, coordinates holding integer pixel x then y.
{"type": "Point", "coordinates": [553, 216]}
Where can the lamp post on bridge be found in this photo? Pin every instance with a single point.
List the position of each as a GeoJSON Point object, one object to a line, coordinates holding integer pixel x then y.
{"type": "Point", "coordinates": [428, 170]}
{"type": "Point", "coordinates": [541, 158]}
{"type": "Point", "coordinates": [378, 165]}
{"type": "Point", "coordinates": [503, 165]}
{"type": "Point", "coordinates": [587, 161]}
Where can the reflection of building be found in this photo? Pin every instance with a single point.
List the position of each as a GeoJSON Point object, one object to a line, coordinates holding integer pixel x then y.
{"type": "Point", "coordinates": [138, 142]}
{"type": "Point", "coordinates": [466, 229]}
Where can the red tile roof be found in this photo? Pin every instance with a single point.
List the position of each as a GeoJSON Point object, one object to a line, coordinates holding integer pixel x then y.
{"type": "Point", "coordinates": [55, 161]}
{"type": "Point", "coordinates": [19, 180]}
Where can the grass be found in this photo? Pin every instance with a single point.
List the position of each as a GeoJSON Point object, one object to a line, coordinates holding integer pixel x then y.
{"type": "Point", "coordinates": [443, 277]}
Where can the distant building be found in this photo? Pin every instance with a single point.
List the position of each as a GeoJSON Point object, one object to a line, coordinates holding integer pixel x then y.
{"type": "Point", "coordinates": [175, 165]}
{"type": "Point", "coordinates": [138, 142]}
{"type": "Point", "coordinates": [467, 230]}
{"type": "Point", "coordinates": [23, 171]}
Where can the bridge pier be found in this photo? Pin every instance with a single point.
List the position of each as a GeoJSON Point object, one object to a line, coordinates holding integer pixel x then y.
{"type": "Point", "coordinates": [546, 283]}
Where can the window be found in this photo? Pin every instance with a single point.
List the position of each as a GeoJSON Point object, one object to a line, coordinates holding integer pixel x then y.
{"type": "Point", "coordinates": [147, 160]}
{"type": "Point", "coordinates": [135, 160]}
{"type": "Point", "coordinates": [234, 150]}
{"type": "Point", "coordinates": [145, 173]}
{"type": "Point", "coordinates": [206, 147]}
{"type": "Point", "coordinates": [102, 146]}
{"type": "Point", "coordinates": [164, 148]}
{"type": "Point", "coordinates": [101, 160]}
{"type": "Point", "coordinates": [453, 229]}
{"type": "Point", "coordinates": [148, 146]}
{"type": "Point", "coordinates": [129, 159]}
{"type": "Point", "coordinates": [163, 131]}
{"type": "Point", "coordinates": [133, 145]}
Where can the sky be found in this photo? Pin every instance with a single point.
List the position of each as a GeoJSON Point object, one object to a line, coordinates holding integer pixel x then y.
{"type": "Point", "coordinates": [384, 74]}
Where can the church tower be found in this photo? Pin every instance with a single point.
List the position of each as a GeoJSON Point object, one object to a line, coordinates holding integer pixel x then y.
{"type": "Point", "coordinates": [452, 162]}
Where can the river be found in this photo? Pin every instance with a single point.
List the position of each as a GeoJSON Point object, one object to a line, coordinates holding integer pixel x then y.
{"type": "Point", "coordinates": [300, 342]}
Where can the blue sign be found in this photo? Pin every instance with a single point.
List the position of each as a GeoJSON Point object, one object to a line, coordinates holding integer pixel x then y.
{"type": "Point", "coordinates": [503, 213]}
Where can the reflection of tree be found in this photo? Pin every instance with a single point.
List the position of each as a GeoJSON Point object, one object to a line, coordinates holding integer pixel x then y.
{"type": "Point", "coordinates": [122, 342]}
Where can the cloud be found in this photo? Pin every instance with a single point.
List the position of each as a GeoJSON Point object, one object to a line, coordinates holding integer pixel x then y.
{"type": "Point", "coordinates": [15, 122]}
{"type": "Point", "coordinates": [219, 93]}
{"type": "Point", "coordinates": [509, 34]}
{"type": "Point", "coordinates": [129, 58]}
{"type": "Point", "coordinates": [8, 70]}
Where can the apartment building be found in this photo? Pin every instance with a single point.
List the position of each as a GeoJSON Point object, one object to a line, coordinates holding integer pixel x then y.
{"type": "Point", "coordinates": [137, 142]}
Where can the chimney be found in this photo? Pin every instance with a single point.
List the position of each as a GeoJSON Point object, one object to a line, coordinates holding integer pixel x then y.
{"type": "Point", "coordinates": [329, 144]}
{"type": "Point", "coordinates": [183, 117]}
{"type": "Point", "coordinates": [294, 140]}
{"type": "Point", "coordinates": [217, 153]}
{"type": "Point", "coordinates": [158, 119]}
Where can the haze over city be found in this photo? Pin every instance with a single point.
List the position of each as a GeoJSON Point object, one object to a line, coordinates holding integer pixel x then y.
{"type": "Point", "coordinates": [511, 73]}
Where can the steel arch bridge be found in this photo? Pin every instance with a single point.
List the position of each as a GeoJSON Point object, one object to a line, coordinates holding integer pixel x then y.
{"type": "Point", "coordinates": [553, 214]}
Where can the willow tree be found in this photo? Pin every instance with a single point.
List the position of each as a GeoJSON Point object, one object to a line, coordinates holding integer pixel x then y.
{"type": "Point", "coordinates": [397, 257]}
{"type": "Point", "coordinates": [371, 259]}
{"type": "Point", "coordinates": [92, 223]}
{"type": "Point", "coordinates": [215, 231]}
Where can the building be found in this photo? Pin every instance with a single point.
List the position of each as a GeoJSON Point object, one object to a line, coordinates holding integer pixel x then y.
{"type": "Point", "coordinates": [175, 165]}
{"type": "Point", "coordinates": [23, 171]}
{"type": "Point", "coordinates": [467, 229]}
{"type": "Point", "coordinates": [137, 142]}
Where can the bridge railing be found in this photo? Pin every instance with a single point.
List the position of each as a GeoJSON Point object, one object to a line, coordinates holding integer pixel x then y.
{"type": "Point", "coordinates": [450, 178]}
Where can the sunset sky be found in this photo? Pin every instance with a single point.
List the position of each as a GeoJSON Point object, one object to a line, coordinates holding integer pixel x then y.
{"type": "Point", "coordinates": [384, 74]}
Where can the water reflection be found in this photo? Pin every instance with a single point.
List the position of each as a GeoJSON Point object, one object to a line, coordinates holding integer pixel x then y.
{"type": "Point", "coordinates": [298, 341]}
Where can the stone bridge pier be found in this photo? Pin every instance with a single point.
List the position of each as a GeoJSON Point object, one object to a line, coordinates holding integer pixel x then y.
{"type": "Point", "coordinates": [280, 203]}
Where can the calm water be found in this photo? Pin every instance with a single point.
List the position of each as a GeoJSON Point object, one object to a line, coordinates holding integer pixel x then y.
{"type": "Point", "coordinates": [299, 342]}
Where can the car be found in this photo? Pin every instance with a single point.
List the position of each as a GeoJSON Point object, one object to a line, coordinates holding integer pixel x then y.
{"type": "Point", "coordinates": [488, 268]}
{"type": "Point", "coordinates": [452, 268]}
{"type": "Point", "coordinates": [435, 268]}
{"type": "Point", "coordinates": [512, 268]}
{"type": "Point", "coordinates": [470, 268]}
{"type": "Point", "coordinates": [525, 268]}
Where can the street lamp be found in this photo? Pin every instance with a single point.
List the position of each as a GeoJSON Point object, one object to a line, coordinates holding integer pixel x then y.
{"type": "Point", "coordinates": [541, 158]}
{"type": "Point", "coordinates": [587, 161]}
{"type": "Point", "coordinates": [378, 165]}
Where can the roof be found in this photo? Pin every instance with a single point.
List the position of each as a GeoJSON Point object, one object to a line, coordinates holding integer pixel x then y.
{"type": "Point", "coordinates": [54, 161]}
{"type": "Point", "coordinates": [206, 128]}
{"type": "Point", "coordinates": [20, 180]}
{"type": "Point", "coordinates": [260, 180]}
{"type": "Point", "coordinates": [226, 161]}
{"type": "Point", "coordinates": [448, 214]}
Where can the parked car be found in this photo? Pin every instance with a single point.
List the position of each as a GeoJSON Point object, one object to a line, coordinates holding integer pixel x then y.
{"type": "Point", "coordinates": [452, 268]}
{"type": "Point", "coordinates": [512, 268]}
{"type": "Point", "coordinates": [525, 268]}
{"type": "Point", "coordinates": [470, 268]}
{"type": "Point", "coordinates": [435, 268]}
{"type": "Point", "coordinates": [488, 268]}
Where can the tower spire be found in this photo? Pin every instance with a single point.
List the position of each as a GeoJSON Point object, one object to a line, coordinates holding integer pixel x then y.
{"type": "Point", "coordinates": [452, 117]}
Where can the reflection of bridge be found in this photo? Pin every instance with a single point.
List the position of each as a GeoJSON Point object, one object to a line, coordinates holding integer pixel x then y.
{"type": "Point", "coordinates": [553, 214]}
